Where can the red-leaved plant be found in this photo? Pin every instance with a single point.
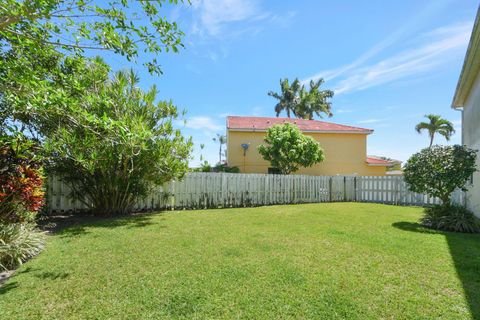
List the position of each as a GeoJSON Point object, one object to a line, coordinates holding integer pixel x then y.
{"type": "Point", "coordinates": [21, 181]}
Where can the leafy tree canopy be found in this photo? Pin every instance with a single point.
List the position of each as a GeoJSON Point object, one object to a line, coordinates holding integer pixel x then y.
{"type": "Point", "coordinates": [305, 104]}
{"type": "Point", "coordinates": [436, 124]}
{"type": "Point", "coordinates": [125, 27]}
{"type": "Point", "coordinates": [439, 170]}
{"type": "Point", "coordinates": [288, 149]}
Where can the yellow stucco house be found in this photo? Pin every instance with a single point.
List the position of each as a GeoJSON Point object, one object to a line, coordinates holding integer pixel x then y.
{"type": "Point", "coordinates": [345, 146]}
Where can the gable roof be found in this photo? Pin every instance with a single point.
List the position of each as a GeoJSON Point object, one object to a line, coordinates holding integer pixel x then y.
{"type": "Point", "coordinates": [471, 66]}
{"type": "Point", "coordinates": [238, 123]}
{"type": "Point", "coordinates": [374, 161]}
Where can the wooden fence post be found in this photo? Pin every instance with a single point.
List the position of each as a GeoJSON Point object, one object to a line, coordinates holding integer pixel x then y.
{"type": "Point", "coordinates": [330, 189]}
{"type": "Point", "coordinates": [355, 189]}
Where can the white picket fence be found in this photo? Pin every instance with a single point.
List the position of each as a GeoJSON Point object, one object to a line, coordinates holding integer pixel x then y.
{"type": "Point", "coordinates": [216, 190]}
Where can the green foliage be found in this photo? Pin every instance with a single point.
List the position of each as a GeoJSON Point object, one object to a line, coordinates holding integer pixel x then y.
{"type": "Point", "coordinates": [205, 166]}
{"type": "Point", "coordinates": [18, 243]}
{"type": "Point", "coordinates": [303, 103]}
{"type": "Point", "coordinates": [223, 167]}
{"type": "Point", "coordinates": [439, 170]}
{"type": "Point", "coordinates": [113, 143]}
{"type": "Point", "coordinates": [21, 181]}
{"type": "Point", "coordinates": [288, 98]}
{"type": "Point", "coordinates": [288, 149]}
{"type": "Point", "coordinates": [222, 140]}
{"type": "Point", "coordinates": [125, 27]}
{"type": "Point", "coordinates": [451, 218]}
{"type": "Point", "coordinates": [436, 125]}
{"type": "Point", "coordinates": [314, 101]}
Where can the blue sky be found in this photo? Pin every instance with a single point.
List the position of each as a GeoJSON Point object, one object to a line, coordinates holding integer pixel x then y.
{"type": "Point", "coordinates": [389, 62]}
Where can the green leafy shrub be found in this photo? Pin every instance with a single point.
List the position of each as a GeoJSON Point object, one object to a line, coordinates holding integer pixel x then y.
{"type": "Point", "coordinates": [19, 242]}
{"type": "Point", "coordinates": [439, 170]}
{"type": "Point", "coordinates": [21, 181]}
{"type": "Point", "coordinates": [451, 218]}
{"type": "Point", "coordinates": [222, 167]}
{"type": "Point", "coordinates": [288, 149]}
{"type": "Point", "coordinates": [115, 142]}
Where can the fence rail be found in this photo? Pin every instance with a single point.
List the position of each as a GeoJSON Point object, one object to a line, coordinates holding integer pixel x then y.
{"type": "Point", "coordinates": [215, 190]}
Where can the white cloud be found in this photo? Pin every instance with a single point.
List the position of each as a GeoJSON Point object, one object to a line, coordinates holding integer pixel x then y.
{"type": "Point", "coordinates": [344, 110]}
{"type": "Point", "coordinates": [214, 14]}
{"type": "Point", "coordinates": [429, 10]}
{"type": "Point", "coordinates": [233, 18]}
{"type": "Point", "coordinates": [203, 123]}
{"type": "Point", "coordinates": [457, 125]}
{"type": "Point", "coordinates": [370, 121]}
{"type": "Point", "coordinates": [442, 45]}
{"type": "Point", "coordinates": [408, 63]}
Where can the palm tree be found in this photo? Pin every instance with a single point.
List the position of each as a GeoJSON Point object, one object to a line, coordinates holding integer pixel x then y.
{"type": "Point", "coordinates": [436, 125]}
{"type": "Point", "coordinates": [288, 98]}
{"type": "Point", "coordinates": [221, 140]}
{"type": "Point", "coordinates": [314, 101]}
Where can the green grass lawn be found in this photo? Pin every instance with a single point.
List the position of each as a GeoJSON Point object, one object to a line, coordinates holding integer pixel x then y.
{"type": "Point", "coordinates": [322, 261]}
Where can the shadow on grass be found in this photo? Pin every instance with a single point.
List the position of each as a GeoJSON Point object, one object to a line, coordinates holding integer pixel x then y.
{"type": "Point", "coordinates": [81, 224]}
{"type": "Point", "coordinates": [52, 275]}
{"type": "Point", "coordinates": [465, 251]}
{"type": "Point", "coordinates": [5, 287]}
{"type": "Point", "coordinates": [8, 286]}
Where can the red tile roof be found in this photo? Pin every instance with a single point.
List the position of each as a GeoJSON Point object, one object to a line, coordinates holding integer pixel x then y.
{"type": "Point", "coordinates": [378, 161]}
{"type": "Point", "coordinates": [262, 123]}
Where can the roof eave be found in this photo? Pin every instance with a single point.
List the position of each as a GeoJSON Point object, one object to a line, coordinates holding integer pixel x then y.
{"type": "Point", "coordinates": [309, 131]}
{"type": "Point", "coordinates": [379, 164]}
{"type": "Point", "coordinates": [470, 68]}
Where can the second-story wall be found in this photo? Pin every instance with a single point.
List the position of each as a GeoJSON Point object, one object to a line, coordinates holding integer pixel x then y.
{"type": "Point", "coordinates": [345, 154]}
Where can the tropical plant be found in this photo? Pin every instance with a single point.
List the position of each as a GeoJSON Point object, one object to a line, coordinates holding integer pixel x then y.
{"type": "Point", "coordinates": [114, 142]}
{"type": "Point", "coordinates": [21, 181]}
{"type": "Point", "coordinates": [222, 140]}
{"type": "Point", "coordinates": [303, 103]}
{"type": "Point", "coordinates": [436, 125]}
{"type": "Point", "coordinates": [314, 101]}
{"type": "Point", "coordinates": [287, 98]}
{"type": "Point", "coordinates": [288, 149]}
{"type": "Point", "coordinates": [205, 166]}
{"type": "Point", "coordinates": [222, 167]}
{"type": "Point", "coordinates": [450, 218]}
{"type": "Point", "coordinates": [439, 170]}
{"type": "Point", "coordinates": [18, 243]}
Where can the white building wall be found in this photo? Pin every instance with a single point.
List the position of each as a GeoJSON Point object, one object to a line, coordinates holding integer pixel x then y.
{"type": "Point", "coordinates": [471, 138]}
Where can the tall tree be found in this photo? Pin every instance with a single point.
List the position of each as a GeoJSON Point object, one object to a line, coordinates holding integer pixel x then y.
{"type": "Point", "coordinates": [436, 125]}
{"type": "Point", "coordinates": [222, 140]}
{"type": "Point", "coordinates": [314, 101]}
{"type": "Point", "coordinates": [303, 103]}
{"type": "Point", "coordinates": [288, 97]}
{"type": "Point", "coordinates": [125, 27]}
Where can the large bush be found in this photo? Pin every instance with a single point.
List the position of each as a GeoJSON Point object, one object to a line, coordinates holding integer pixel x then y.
{"type": "Point", "coordinates": [115, 142]}
{"type": "Point", "coordinates": [439, 170]}
{"type": "Point", "coordinates": [21, 182]}
{"type": "Point", "coordinates": [451, 218]}
{"type": "Point", "coordinates": [288, 149]}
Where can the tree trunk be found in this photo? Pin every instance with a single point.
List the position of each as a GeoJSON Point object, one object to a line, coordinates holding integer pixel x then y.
{"type": "Point", "coordinates": [431, 140]}
{"type": "Point", "coordinates": [445, 200]}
